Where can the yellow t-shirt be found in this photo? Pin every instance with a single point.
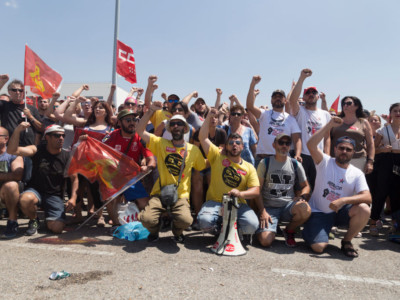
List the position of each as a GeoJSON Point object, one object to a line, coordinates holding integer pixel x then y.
{"type": "Point", "coordinates": [159, 116]}
{"type": "Point", "coordinates": [227, 175]}
{"type": "Point", "coordinates": [169, 161]}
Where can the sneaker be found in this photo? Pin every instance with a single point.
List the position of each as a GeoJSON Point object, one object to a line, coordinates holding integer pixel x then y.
{"type": "Point", "coordinates": [379, 224]}
{"type": "Point", "coordinates": [152, 238]}
{"type": "Point", "coordinates": [33, 227]}
{"type": "Point", "coordinates": [289, 238]}
{"type": "Point", "coordinates": [180, 239]}
{"type": "Point", "coordinates": [11, 230]}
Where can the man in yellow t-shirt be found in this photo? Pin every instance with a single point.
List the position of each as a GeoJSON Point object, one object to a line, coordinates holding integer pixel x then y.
{"type": "Point", "coordinates": [231, 175]}
{"type": "Point", "coordinates": [170, 156]}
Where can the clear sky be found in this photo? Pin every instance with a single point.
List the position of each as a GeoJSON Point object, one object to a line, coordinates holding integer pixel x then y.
{"type": "Point", "coordinates": [353, 47]}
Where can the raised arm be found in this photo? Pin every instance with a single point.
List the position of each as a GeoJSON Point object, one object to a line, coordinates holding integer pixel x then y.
{"type": "Point", "coordinates": [317, 137]}
{"type": "Point", "coordinates": [70, 116]}
{"type": "Point", "coordinates": [77, 93]}
{"type": "Point", "coordinates": [204, 131]}
{"type": "Point", "coordinates": [251, 98]}
{"type": "Point", "coordinates": [295, 94]}
{"type": "Point", "coordinates": [50, 110]}
{"type": "Point", "coordinates": [218, 100]}
{"type": "Point", "coordinates": [189, 97]}
{"type": "Point", "coordinates": [234, 101]}
{"type": "Point", "coordinates": [151, 87]}
{"type": "Point", "coordinates": [13, 143]}
{"type": "Point", "coordinates": [59, 111]}
{"type": "Point", "coordinates": [324, 105]}
{"type": "Point", "coordinates": [141, 126]}
{"type": "Point", "coordinates": [111, 94]}
{"type": "Point", "coordinates": [3, 80]}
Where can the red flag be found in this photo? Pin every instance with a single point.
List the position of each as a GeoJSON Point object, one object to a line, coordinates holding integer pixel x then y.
{"type": "Point", "coordinates": [93, 134]}
{"type": "Point", "coordinates": [335, 105]}
{"type": "Point", "coordinates": [43, 80]}
{"type": "Point", "coordinates": [98, 161]}
{"type": "Point", "coordinates": [126, 62]}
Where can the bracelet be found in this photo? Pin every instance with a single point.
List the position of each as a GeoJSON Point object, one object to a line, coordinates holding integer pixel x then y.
{"type": "Point", "coordinates": [370, 159]}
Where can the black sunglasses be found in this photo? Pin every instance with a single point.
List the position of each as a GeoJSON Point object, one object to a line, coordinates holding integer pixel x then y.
{"type": "Point", "coordinates": [17, 90]}
{"type": "Point", "coordinates": [177, 109]}
{"type": "Point", "coordinates": [236, 114]}
{"type": "Point", "coordinates": [173, 124]}
{"type": "Point", "coordinates": [130, 104]}
{"type": "Point", "coordinates": [287, 143]}
{"type": "Point", "coordinates": [230, 143]}
{"type": "Point", "coordinates": [348, 103]}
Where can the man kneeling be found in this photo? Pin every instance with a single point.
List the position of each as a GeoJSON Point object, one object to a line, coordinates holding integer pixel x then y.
{"type": "Point", "coordinates": [232, 175]}
{"type": "Point", "coordinates": [279, 177]}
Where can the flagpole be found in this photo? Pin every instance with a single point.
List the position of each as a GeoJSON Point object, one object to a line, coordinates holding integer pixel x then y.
{"type": "Point", "coordinates": [114, 67]}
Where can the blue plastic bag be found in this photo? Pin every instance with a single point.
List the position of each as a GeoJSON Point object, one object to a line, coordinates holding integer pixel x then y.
{"type": "Point", "coordinates": [132, 231]}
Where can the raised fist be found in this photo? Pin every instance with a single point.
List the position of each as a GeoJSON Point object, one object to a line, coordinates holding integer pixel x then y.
{"type": "Point", "coordinates": [305, 73]}
{"type": "Point", "coordinates": [219, 92]}
{"type": "Point", "coordinates": [336, 121]}
{"type": "Point", "coordinates": [256, 79]}
{"type": "Point", "coordinates": [56, 96]}
{"type": "Point", "coordinates": [152, 79]}
{"type": "Point", "coordinates": [85, 87]}
{"type": "Point", "coordinates": [4, 77]}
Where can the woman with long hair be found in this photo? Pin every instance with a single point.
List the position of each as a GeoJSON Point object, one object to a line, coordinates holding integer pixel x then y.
{"type": "Point", "coordinates": [387, 143]}
{"type": "Point", "coordinates": [358, 128]}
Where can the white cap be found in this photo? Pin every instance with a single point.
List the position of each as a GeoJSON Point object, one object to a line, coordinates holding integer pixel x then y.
{"type": "Point", "coordinates": [53, 128]}
{"type": "Point", "coordinates": [180, 118]}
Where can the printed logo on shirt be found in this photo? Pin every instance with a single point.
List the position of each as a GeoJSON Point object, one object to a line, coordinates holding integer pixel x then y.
{"type": "Point", "coordinates": [231, 177]}
{"type": "Point", "coordinates": [353, 127]}
{"type": "Point", "coordinates": [22, 114]}
{"type": "Point", "coordinates": [182, 152]}
{"type": "Point", "coordinates": [170, 149]}
{"type": "Point", "coordinates": [280, 183]}
{"type": "Point", "coordinates": [173, 163]}
{"type": "Point", "coordinates": [275, 131]}
{"type": "Point", "coordinates": [226, 162]}
{"type": "Point", "coordinates": [334, 186]}
{"type": "Point", "coordinates": [242, 172]}
{"type": "Point", "coordinates": [118, 147]}
{"type": "Point", "coordinates": [134, 147]}
{"type": "Point", "coordinates": [313, 127]}
{"type": "Point", "coordinates": [330, 195]}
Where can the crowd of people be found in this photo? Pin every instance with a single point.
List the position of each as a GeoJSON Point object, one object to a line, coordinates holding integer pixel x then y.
{"type": "Point", "coordinates": [294, 163]}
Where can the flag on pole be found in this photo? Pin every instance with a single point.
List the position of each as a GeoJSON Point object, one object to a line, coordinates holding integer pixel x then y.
{"type": "Point", "coordinates": [43, 80]}
{"type": "Point", "coordinates": [126, 62]}
{"type": "Point", "coordinates": [97, 161]}
{"type": "Point", "coordinates": [334, 106]}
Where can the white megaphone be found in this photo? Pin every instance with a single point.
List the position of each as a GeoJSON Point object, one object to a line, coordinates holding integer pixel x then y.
{"type": "Point", "coordinates": [228, 242]}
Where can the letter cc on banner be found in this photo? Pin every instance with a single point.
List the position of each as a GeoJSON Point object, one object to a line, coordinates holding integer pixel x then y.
{"type": "Point", "coordinates": [126, 62]}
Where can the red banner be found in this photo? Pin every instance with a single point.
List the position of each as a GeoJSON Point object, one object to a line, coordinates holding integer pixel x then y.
{"type": "Point", "coordinates": [98, 161]}
{"type": "Point", "coordinates": [335, 105]}
{"type": "Point", "coordinates": [43, 80]}
{"type": "Point", "coordinates": [126, 62]}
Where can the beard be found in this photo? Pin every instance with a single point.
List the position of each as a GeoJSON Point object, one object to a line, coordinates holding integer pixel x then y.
{"type": "Point", "coordinates": [177, 135]}
{"type": "Point", "coordinates": [343, 159]}
{"type": "Point", "coordinates": [278, 104]}
{"type": "Point", "coordinates": [126, 129]}
{"type": "Point", "coordinates": [233, 154]}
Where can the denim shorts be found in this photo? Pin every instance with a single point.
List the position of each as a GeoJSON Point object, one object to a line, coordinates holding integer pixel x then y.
{"type": "Point", "coordinates": [318, 226]}
{"type": "Point", "coordinates": [53, 206]}
{"type": "Point", "coordinates": [277, 214]}
{"type": "Point", "coordinates": [136, 191]}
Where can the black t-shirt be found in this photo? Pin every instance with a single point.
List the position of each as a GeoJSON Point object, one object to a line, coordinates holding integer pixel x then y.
{"type": "Point", "coordinates": [48, 172]}
{"type": "Point", "coordinates": [12, 114]}
{"type": "Point", "coordinates": [219, 138]}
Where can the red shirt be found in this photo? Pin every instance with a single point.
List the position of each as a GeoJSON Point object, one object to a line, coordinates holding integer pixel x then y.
{"type": "Point", "coordinates": [120, 143]}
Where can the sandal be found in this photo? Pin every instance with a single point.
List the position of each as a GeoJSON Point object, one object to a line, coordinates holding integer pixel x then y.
{"type": "Point", "coordinates": [348, 249]}
{"type": "Point", "coordinates": [373, 228]}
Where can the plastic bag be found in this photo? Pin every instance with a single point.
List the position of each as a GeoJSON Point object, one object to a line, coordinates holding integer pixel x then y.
{"type": "Point", "coordinates": [132, 231]}
{"type": "Point", "coordinates": [128, 213]}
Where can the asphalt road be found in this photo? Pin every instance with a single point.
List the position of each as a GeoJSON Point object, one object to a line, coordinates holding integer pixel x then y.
{"type": "Point", "coordinates": [105, 268]}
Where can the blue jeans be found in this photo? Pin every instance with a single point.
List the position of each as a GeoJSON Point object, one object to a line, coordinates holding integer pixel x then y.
{"type": "Point", "coordinates": [209, 218]}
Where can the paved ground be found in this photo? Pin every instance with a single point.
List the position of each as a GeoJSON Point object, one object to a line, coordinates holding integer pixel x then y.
{"type": "Point", "coordinates": [105, 268]}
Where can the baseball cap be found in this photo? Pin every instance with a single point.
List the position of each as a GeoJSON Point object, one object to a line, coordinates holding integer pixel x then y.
{"type": "Point", "coordinates": [282, 92]}
{"type": "Point", "coordinates": [130, 98]}
{"type": "Point", "coordinates": [126, 112]}
{"type": "Point", "coordinates": [282, 135]}
{"type": "Point", "coordinates": [53, 128]}
{"type": "Point", "coordinates": [199, 99]}
{"type": "Point", "coordinates": [346, 139]}
{"type": "Point", "coordinates": [310, 88]}
{"type": "Point", "coordinates": [180, 118]}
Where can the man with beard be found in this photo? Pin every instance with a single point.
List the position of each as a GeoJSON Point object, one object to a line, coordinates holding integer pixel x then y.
{"type": "Point", "coordinates": [273, 122]}
{"type": "Point", "coordinates": [310, 119]}
{"type": "Point", "coordinates": [231, 175]}
{"type": "Point", "coordinates": [46, 187]}
{"type": "Point", "coordinates": [170, 154]}
{"type": "Point", "coordinates": [280, 178]}
{"type": "Point", "coordinates": [127, 141]}
{"type": "Point", "coordinates": [341, 195]}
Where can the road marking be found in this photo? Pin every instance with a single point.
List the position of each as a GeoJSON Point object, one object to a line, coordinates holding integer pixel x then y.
{"type": "Point", "coordinates": [64, 249]}
{"type": "Point", "coordinates": [337, 277]}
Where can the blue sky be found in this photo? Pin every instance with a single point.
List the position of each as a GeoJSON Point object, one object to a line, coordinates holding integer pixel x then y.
{"type": "Point", "coordinates": [352, 46]}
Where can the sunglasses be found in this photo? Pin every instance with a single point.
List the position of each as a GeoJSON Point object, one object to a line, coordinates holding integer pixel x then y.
{"type": "Point", "coordinates": [231, 143]}
{"type": "Point", "coordinates": [348, 103]}
{"type": "Point", "coordinates": [130, 104]}
{"type": "Point", "coordinates": [58, 135]}
{"type": "Point", "coordinates": [236, 114]}
{"type": "Point", "coordinates": [314, 92]}
{"type": "Point", "coordinates": [173, 100]}
{"type": "Point", "coordinates": [173, 124]}
{"type": "Point", "coordinates": [131, 120]}
{"type": "Point", "coordinates": [17, 90]}
{"type": "Point", "coordinates": [177, 109]}
{"type": "Point", "coordinates": [87, 104]}
{"type": "Point", "coordinates": [343, 148]}
{"type": "Point", "coordinates": [287, 143]}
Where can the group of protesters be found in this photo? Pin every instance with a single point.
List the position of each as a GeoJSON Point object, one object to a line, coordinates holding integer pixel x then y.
{"type": "Point", "coordinates": [293, 163]}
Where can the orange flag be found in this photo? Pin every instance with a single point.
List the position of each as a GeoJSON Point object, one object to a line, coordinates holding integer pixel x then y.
{"type": "Point", "coordinates": [98, 161]}
{"type": "Point", "coordinates": [334, 106]}
{"type": "Point", "coordinates": [43, 80]}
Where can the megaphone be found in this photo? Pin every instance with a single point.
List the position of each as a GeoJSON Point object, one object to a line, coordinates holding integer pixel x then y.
{"type": "Point", "coordinates": [228, 242]}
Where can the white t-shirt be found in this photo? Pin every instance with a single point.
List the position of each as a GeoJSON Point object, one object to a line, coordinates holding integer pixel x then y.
{"type": "Point", "coordinates": [334, 182]}
{"type": "Point", "coordinates": [273, 123]}
{"type": "Point", "coordinates": [310, 121]}
{"type": "Point", "coordinates": [389, 140]}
